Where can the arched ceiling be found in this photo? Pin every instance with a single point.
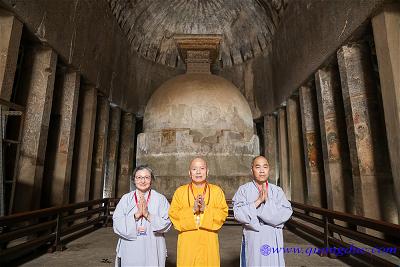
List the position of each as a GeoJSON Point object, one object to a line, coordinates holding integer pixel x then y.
{"type": "Point", "coordinates": [247, 26]}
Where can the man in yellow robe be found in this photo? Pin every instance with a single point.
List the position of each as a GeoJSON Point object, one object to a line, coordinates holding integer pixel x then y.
{"type": "Point", "coordinates": [198, 210]}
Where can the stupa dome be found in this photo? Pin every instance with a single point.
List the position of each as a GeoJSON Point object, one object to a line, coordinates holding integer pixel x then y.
{"type": "Point", "coordinates": [201, 102]}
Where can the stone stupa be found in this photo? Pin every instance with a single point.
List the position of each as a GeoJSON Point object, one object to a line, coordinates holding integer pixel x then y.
{"type": "Point", "coordinates": [198, 114]}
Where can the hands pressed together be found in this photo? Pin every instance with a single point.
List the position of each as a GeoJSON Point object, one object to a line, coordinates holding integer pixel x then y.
{"type": "Point", "coordinates": [199, 204]}
{"type": "Point", "coordinates": [142, 209]}
{"type": "Point", "coordinates": [262, 197]}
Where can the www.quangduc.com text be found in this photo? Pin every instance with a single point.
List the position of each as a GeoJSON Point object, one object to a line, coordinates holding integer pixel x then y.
{"type": "Point", "coordinates": [338, 251]}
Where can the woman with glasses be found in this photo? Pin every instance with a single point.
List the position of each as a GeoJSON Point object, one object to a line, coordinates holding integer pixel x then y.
{"type": "Point", "coordinates": [141, 219]}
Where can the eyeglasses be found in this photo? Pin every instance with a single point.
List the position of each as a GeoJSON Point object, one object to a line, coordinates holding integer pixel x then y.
{"type": "Point", "coordinates": [146, 178]}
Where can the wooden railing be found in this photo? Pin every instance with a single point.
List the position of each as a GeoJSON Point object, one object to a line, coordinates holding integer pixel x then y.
{"type": "Point", "coordinates": [112, 203]}
{"type": "Point", "coordinates": [323, 224]}
{"type": "Point", "coordinates": [52, 228]}
{"type": "Point", "coordinates": [231, 217]}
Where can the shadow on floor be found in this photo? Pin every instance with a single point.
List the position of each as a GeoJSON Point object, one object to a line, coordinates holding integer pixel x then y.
{"type": "Point", "coordinates": [170, 263]}
{"type": "Point", "coordinates": [225, 263]}
{"type": "Point", "coordinates": [231, 262]}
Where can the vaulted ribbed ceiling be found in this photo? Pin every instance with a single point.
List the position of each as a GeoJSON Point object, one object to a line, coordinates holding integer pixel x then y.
{"type": "Point", "coordinates": [247, 26]}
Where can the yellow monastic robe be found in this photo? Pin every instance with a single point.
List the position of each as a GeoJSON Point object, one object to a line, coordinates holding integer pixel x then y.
{"type": "Point", "coordinates": [198, 245]}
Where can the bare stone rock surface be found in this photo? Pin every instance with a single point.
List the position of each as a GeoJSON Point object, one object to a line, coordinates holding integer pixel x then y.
{"type": "Point", "coordinates": [312, 147]}
{"type": "Point", "coordinates": [10, 32]}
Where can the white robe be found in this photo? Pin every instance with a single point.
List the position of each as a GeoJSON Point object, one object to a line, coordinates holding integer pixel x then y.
{"type": "Point", "coordinates": [141, 250]}
{"type": "Point", "coordinates": [262, 226]}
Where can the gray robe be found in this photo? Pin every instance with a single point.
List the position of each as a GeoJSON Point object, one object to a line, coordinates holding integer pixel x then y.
{"type": "Point", "coordinates": [262, 227]}
{"type": "Point", "coordinates": [141, 250]}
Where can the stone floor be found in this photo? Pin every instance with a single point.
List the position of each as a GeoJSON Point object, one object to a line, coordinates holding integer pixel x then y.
{"type": "Point", "coordinates": [98, 249]}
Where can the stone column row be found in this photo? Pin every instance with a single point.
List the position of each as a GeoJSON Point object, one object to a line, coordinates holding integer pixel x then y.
{"type": "Point", "coordinates": [10, 32]}
{"type": "Point", "coordinates": [284, 150]}
{"type": "Point", "coordinates": [72, 142]}
{"type": "Point", "coordinates": [342, 135]}
{"type": "Point", "coordinates": [106, 159]}
{"type": "Point", "coordinates": [106, 162]}
{"type": "Point", "coordinates": [336, 163]}
{"type": "Point", "coordinates": [372, 177]}
{"type": "Point", "coordinates": [115, 153]}
{"type": "Point", "coordinates": [94, 161]}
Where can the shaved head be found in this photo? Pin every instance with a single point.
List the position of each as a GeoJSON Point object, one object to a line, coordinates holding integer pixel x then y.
{"type": "Point", "coordinates": [256, 158]}
{"type": "Point", "coordinates": [195, 160]}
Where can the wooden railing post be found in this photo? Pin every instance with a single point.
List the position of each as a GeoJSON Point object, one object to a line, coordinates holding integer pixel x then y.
{"type": "Point", "coordinates": [326, 236]}
{"type": "Point", "coordinates": [57, 243]}
{"type": "Point", "coordinates": [107, 212]}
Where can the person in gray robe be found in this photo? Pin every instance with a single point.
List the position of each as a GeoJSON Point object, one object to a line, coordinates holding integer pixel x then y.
{"type": "Point", "coordinates": [262, 209]}
{"type": "Point", "coordinates": [140, 220]}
